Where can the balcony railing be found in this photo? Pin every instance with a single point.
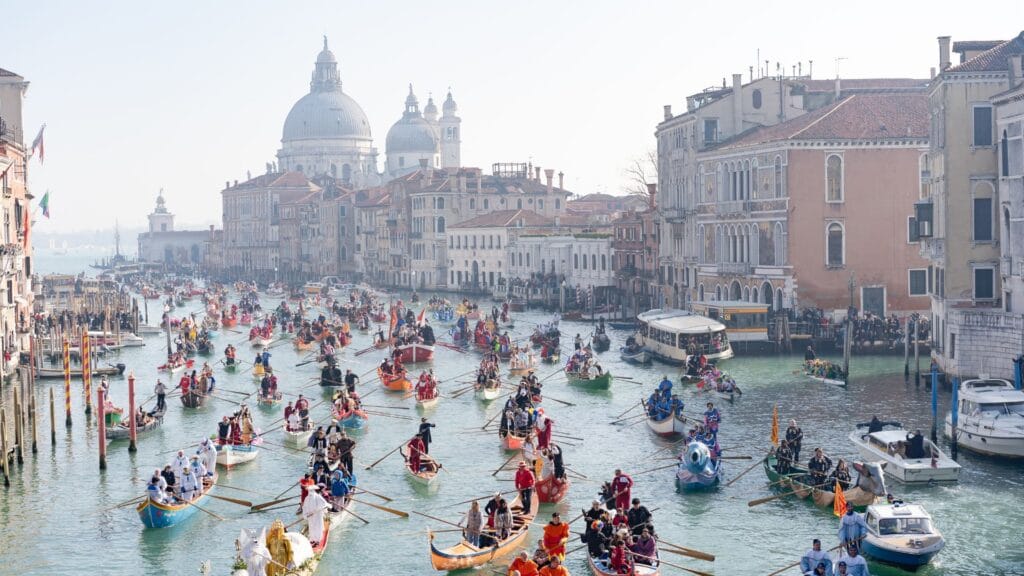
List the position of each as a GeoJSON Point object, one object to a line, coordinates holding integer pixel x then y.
{"type": "Point", "coordinates": [737, 268]}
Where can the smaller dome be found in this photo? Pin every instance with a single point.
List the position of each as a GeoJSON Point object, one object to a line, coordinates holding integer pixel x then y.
{"type": "Point", "coordinates": [325, 56]}
{"type": "Point", "coordinates": [450, 107]}
{"type": "Point", "coordinates": [430, 110]}
{"type": "Point", "coordinates": [412, 134]}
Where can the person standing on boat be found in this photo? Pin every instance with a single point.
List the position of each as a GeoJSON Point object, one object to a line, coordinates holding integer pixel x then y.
{"type": "Point", "coordinates": [556, 534]}
{"type": "Point", "coordinates": [795, 436]}
{"type": "Point", "coordinates": [265, 356]}
{"type": "Point", "coordinates": [209, 455]}
{"type": "Point", "coordinates": [161, 393]}
{"type": "Point", "coordinates": [809, 355]}
{"type": "Point", "coordinates": [345, 446]}
{"type": "Point", "coordinates": [503, 520]}
{"type": "Point", "coordinates": [639, 518]}
{"type": "Point", "coordinates": [416, 451]}
{"type": "Point", "coordinates": [621, 484]}
{"type": "Point", "coordinates": [711, 418]}
{"type": "Point", "coordinates": [180, 461]}
{"type": "Point", "coordinates": [819, 466]}
{"type": "Point", "coordinates": [524, 482]}
{"type": "Point", "coordinates": [424, 433]}
{"type": "Point", "coordinates": [340, 490]}
{"type": "Point", "coordinates": [314, 510]}
{"type": "Point", "coordinates": [545, 427]}
{"type": "Point", "coordinates": [813, 557]}
{"type": "Point", "coordinates": [302, 408]}
{"type": "Point", "coordinates": [189, 484]}
{"type": "Point", "coordinates": [170, 482]}
{"type": "Point", "coordinates": [350, 380]}
{"type": "Point", "coordinates": [784, 458]}
{"type": "Point", "coordinates": [665, 387]}
{"type": "Point", "coordinates": [841, 475]}
{"type": "Point", "coordinates": [852, 527]}
{"type": "Point", "coordinates": [491, 509]}
{"type": "Point", "coordinates": [155, 492]}
{"type": "Point", "coordinates": [855, 563]}
{"type": "Point", "coordinates": [474, 523]}
{"type": "Point", "coordinates": [198, 468]}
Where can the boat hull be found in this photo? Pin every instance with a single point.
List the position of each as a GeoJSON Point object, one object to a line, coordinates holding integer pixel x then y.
{"type": "Point", "coordinates": [465, 555]}
{"type": "Point", "coordinates": [598, 568]}
{"type": "Point", "coordinates": [988, 444]}
{"type": "Point", "coordinates": [898, 552]}
{"type": "Point", "coordinates": [354, 420]}
{"type": "Point", "coordinates": [488, 393]}
{"type": "Point", "coordinates": [123, 432]}
{"type": "Point", "coordinates": [229, 456]}
{"type": "Point", "coordinates": [907, 470]}
{"type": "Point", "coordinates": [640, 358]}
{"type": "Point", "coordinates": [512, 442]}
{"type": "Point", "coordinates": [297, 438]}
{"type": "Point", "coordinates": [394, 383]}
{"type": "Point", "coordinates": [550, 491]}
{"type": "Point", "coordinates": [602, 381]}
{"type": "Point", "coordinates": [154, 515]}
{"type": "Point", "coordinates": [671, 427]}
{"type": "Point", "coordinates": [793, 482]}
{"type": "Point", "coordinates": [416, 353]}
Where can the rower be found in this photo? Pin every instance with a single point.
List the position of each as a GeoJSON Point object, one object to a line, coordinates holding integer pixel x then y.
{"type": "Point", "coordinates": [819, 465]}
{"type": "Point", "coordinates": [813, 557]}
{"type": "Point", "coordinates": [712, 417]}
{"type": "Point", "coordinates": [155, 492]}
{"type": "Point", "coordinates": [795, 436]}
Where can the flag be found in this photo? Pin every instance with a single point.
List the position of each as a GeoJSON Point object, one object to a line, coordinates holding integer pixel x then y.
{"type": "Point", "coordinates": [45, 204]}
{"type": "Point", "coordinates": [37, 144]}
{"type": "Point", "coordinates": [839, 504]}
{"type": "Point", "coordinates": [28, 227]}
{"type": "Point", "coordinates": [775, 425]}
{"type": "Point", "coordinates": [422, 316]}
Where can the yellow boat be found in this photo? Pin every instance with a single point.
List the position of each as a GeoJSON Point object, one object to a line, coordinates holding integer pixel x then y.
{"type": "Point", "coordinates": [465, 555]}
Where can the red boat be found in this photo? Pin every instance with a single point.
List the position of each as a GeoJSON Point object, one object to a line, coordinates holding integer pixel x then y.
{"type": "Point", "coordinates": [230, 322]}
{"type": "Point", "coordinates": [550, 491]}
{"type": "Point", "coordinates": [398, 382]}
{"type": "Point", "coordinates": [414, 353]}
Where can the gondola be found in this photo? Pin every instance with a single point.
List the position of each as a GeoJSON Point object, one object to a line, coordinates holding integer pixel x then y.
{"type": "Point", "coordinates": [158, 515]}
{"type": "Point", "coordinates": [122, 431]}
{"type": "Point", "coordinates": [428, 472]}
{"type": "Point", "coordinates": [602, 342]}
{"type": "Point", "coordinates": [269, 401]}
{"type": "Point", "coordinates": [466, 555]}
{"type": "Point", "coordinates": [603, 380]}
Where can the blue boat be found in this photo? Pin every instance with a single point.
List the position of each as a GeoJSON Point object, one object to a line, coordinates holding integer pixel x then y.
{"type": "Point", "coordinates": [901, 534]}
{"type": "Point", "coordinates": [355, 419]}
{"type": "Point", "coordinates": [157, 515]}
{"type": "Point", "coordinates": [697, 471]}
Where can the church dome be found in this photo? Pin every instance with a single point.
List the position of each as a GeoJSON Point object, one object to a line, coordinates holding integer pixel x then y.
{"type": "Point", "coordinates": [413, 133]}
{"type": "Point", "coordinates": [326, 112]}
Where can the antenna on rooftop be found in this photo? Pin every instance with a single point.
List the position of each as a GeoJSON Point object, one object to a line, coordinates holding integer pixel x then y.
{"type": "Point", "coordinates": [838, 60]}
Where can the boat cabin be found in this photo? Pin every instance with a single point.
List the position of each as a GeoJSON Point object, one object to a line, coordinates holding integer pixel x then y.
{"type": "Point", "coordinates": [990, 398]}
{"type": "Point", "coordinates": [671, 335]}
{"type": "Point", "coordinates": [744, 321]}
{"type": "Point", "coordinates": [897, 519]}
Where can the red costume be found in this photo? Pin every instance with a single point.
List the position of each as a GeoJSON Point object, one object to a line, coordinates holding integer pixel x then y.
{"type": "Point", "coordinates": [619, 561]}
{"type": "Point", "coordinates": [544, 434]}
{"type": "Point", "coordinates": [621, 486]}
{"type": "Point", "coordinates": [186, 381]}
{"type": "Point", "coordinates": [416, 448]}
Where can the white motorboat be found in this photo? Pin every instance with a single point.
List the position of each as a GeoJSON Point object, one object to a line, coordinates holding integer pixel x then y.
{"type": "Point", "coordinates": [891, 448]}
{"type": "Point", "coordinates": [131, 341]}
{"type": "Point", "coordinates": [990, 418]}
{"type": "Point", "coordinates": [901, 534]}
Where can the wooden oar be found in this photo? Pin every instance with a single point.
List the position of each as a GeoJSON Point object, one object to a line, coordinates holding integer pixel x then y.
{"type": "Point", "coordinates": [742, 474]}
{"type": "Point", "coordinates": [689, 551]}
{"type": "Point", "coordinates": [667, 563]}
{"type": "Point", "coordinates": [631, 408]}
{"type": "Point", "coordinates": [633, 417]}
{"type": "Point", "coordinates": [219, 485]}
{"type": "Point", "coordinates": [738, 458]}
{"type": "Point", "coordinates": [388, 407]}
{"type": "Point", "coordinates": [481, 498]}
{"type": "Point", "coordinates": [381, 496]}
{"type": "Point", "coordinates": [797, 563]}
{"type": "Point", "coordinates": [384, 508]}
{"type": "Point", "coordinates": [135, 500]}
{"type": "Point", "coordinates": [437, 519]}
{"type": "Point", "coordinates": [502, 467]}
{"type": "Point", "coordinates": [488, 423]}
{"type": "Point", "coordinates": [381, 459]}
{"type": "Point", "coordinates": [245, 503]}
{"type": "Point", "coordinates": [201, 509]}
{"type": "Point", "coordinates": [760, 501]}
{"type": "Point", "coordinates": [547, 397]}
{"type": "Point", "coordinates": [655, 469]}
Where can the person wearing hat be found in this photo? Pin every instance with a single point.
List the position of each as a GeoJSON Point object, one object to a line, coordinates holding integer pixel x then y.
{"type": "Point", "coordinates": [639, 518]}
{"type": "Point", "coordinates": [189, 484]}
{"type": "Point", "coordinates": [813, 557]}
{"type": "Point", "coordinates": [198, 467]}
{"type": "Point", "coordinates": [155, 492]}
{"type": "Point", "coordinates": [425, 434]}
{"type": "Point", "coordinates": [180, 461]}
{"type": "Point", "coordinates": [525, 481]}
{"type": "Point", "coordinates": [314, 510]}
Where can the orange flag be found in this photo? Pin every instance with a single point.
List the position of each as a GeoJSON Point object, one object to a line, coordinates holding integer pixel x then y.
{"type": "Point", "coordinates": [422, 316]}
{"type": "Point", "coordinates": [839, 504]}
{"type": "Point", "coordinates": [775, 425]}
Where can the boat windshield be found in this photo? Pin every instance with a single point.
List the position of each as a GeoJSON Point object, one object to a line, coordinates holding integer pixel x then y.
{"type": "Point", "coordinates": [888, 526]}
{"type": "Point", "coordinates": [1003, 409]}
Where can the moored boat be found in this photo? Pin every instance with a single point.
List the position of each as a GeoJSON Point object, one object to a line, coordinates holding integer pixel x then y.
{"type": "Point", "coordinates": [122, 431]}
{"type": "Point", "coordinates": [161, 515]}
{"type": "Point", "coordinates": [893, 448]}
{"type": "Point", "coordinates": [115, 370]}
{"type": "Point", "coordinates": [466, 555]}
{"type": "Point", "coordinates": [990, 418]}
{"type": "Point", "coordinates": [901, 534]}
{"type": "Point", "coordinates": [231, 455]}
{"type": "Point", "coordinates": [869, 487]}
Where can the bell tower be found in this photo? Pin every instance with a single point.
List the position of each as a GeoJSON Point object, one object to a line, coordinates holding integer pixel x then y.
{"type": "Point", "coordinates": [161, 220]}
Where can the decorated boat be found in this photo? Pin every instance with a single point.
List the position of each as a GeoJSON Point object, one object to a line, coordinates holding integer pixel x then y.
{"type": "Point", "coordinates": [868, 489]}
{"type": "Point", "coordinates": [293, 550]}
{"type": "Point", "coordinates": [176, 367]}
{"type": "Point", "coordinates": [466, 555]}
{"type": "Point", "coordinates": [272, 400]}
{"type": "Point", "coordinates": [394, 382]}
{"type": "Point", "coordinates": [415, 353]}
{"type": "Point", "coordinates": [603, 380]}
{"type": "Point", "coordinates": [825, 371]}
{"type": "Point", "coordinates": [601, 567]}
{"type": "Point", "coordinates": [351, 419]}
{"type": "Point", "coordinates": [231, 455]}
{"type": "Point", "coordinates": [551, 490]}
{"type": "Point", "coordinates": [161, 515]}
{"type": "Point", "coordinates": [428, 472]}
{"type": "Point", "coordinates": [122, 430]}
{"type": "Point", "coordinates": [893, 449]}
{"type": "Point", "coordinates": [902, 535]}
{"type": "Point", "coordinates": [696, 470]}
{"type": "Point", "coordinates": [195, 397]}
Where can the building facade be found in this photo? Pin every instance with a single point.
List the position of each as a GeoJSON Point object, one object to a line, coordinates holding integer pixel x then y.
{"type": "Point", "coordinates": [635, 246]}
{"type": "Point", "coordinates": [162, 243]}
{"type": "Point", "coordinates": [962, 218]}
{"type": "Point", "coordinates": [16, 295]}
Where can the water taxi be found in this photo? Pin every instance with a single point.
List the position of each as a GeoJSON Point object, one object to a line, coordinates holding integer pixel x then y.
{"type": "Point", "coordinates": [990, 418]}
{"type": "Point", "coordinates": [892, 448]}
{"type": "Point", "coordinates": [902, 535]}
{"type": "Point", "coordinates": [670, 334]}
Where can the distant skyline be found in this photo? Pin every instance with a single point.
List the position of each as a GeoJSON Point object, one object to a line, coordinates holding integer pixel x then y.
{"type": "Point", "coordinates": [186, 96]}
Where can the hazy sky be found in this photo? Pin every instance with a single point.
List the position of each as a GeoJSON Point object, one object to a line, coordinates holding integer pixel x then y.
{"type": "Point", "coordinates": [185, 95]}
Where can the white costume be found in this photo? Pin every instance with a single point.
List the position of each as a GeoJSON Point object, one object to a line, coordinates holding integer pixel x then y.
{"type": "Point", "coordinates": [156, 493]}
{"type": "Point", "coordinates": [209, 455]}
{"type": "Point", "coordinates": [189, 485]}
{"type": "Point", "coordinates": [856, 566]}
{"type": "Point", "coordinates": [811, 559]}
{"type": "Point", "coordinates": [293, 422]}
{"type": "Point", "coordinates": [198, 468]}
{"type": "Point", "coordinates": [180, 461]}
{"type": "Point", "coordinates": [314, 510]}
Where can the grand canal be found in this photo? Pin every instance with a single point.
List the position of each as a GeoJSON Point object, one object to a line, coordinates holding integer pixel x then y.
{"type": "Point", "coordinates": [56, 518]}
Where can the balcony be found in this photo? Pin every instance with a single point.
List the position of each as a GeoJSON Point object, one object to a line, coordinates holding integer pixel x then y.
{"type": "Point", "coordinates": [732, 207]}
{"type": "Point", "coordinates": [734, 268]}
{"type": "Point", "coordinates": [415, 235]}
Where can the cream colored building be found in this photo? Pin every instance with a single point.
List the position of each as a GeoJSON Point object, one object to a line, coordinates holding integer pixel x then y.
{"type": "Point", "coordinates": [957, 219]}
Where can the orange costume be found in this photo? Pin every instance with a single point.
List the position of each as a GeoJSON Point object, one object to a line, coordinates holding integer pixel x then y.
{"type": "Point", "coordinates": [555, 537]}
{"type": "Point", "coordinates": [525, 567]}
{"type": "Point", "coordinates": [553, 571]}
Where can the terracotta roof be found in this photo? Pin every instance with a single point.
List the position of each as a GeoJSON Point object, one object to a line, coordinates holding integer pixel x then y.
{"type": "Point", "coordinates": [505, 219]}
{"type": "Point", "coordinates": [994, 59]}
{"type": "Point", "coordinates": [292, 179]}
{"type": "Point", "coordinates": [856, 117]}
{"type": "Point", "coordinates": [372, 197]}
{"type": "Point", "coordinates": [975, 45]}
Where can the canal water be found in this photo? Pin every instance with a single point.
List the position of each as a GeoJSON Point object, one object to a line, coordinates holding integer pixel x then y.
{"type": "Point", "coordinates": [56, 518]}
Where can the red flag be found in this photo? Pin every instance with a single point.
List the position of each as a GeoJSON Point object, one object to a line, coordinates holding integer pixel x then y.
{"type": "Point", "coordinates": [28, 227]}
{"type": "Point", "coordinates": [422, 316]}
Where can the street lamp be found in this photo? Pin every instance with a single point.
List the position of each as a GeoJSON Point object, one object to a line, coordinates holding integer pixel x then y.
{"type": "Point", "coordinates": [167, 327]}
{"type": "Point", "coordinates": [561, 298]}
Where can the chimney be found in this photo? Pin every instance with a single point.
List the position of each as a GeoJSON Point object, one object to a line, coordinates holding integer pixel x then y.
{"type": "Point", "coordinates": [652, 195]}
{"type": "Point", "coordinates": [236, 182]}
{"type": "Point", "coordinates": [932, 73]}
{"type": "Point", "coordinates": [227, 184]}
{"type": "Point", "coordinates": [668, 111]}
{"type": "Point", "coordinates": [561, 180]}
{"type": "Point", "coordinates": [1016, 74]}
{"type": "Point", "coordinates": [537, 168]}
{"type": "Point", "coordinates": [839, 87]}
{"type": "Point", "coordinates": [943, 53]}
{"type": "Point", "coordinates": [423, 163]}
{"type": "Point", "coordinates": [737, 103]}
{"type": "Point", "coordinates": [550, 175]}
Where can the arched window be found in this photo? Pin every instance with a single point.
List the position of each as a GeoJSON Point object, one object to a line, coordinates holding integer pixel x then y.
{"type": "Point", "coordinates": [593, 262]}
{"type": "Point", "coordinates": [734, 291]}
{"type": "Point", "coordinates": [604, 262]}
{"type": "Point", "coordinates": [700, 292]}
{"type": "Point", "coordinates": [835, 250]}
{"type": "Point", "coordinates": [778, 177]}
{"type": "Point", "coordinates": [778, 298]}
{"type": "Point", "coordinates": [334, 170]}
{"type": "Point", "coordinates": [834, 178]}
{"type": "Point", "coordinates": [440, 227]}
{"type": "Point", "coordinates": [718, 292]}
{"type": "Point", "coordinates": [754, 295]}
{"type": "Point", "coordinates": [746, 293]}
{"type": "Point", "coordinates": [346, 172]}
{"type": "Point", "coordinates": [755, 99]}
{"type": "Point", "coordinates": [779, 241]}
{"type": "Point", "coordinates": [576, 261]}
{"type": "Point", "coordinates": [439, 203]}
{"type": "Point", "coordinates": [527, 259]}
{"type": "Point", "coordinates": [766, 294]}
{"type": "Point", "coordinates": [584, 261]}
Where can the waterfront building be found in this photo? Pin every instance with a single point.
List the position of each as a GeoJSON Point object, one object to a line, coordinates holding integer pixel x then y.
{"type": "Point", "coordinates": [716, 115]}
{"type": "Point", "coordinates": [635, 247]}
{"type": "Point", "coordinates": [601, 209]}
{"type": "Point", "coordinates": [789, 215]}
{"type": "Point", "coordinates": [16, 292]}
{"type": "Point", "coordinates": [162, 243]}
{"type": "Point", "coordinates": [968, 219]}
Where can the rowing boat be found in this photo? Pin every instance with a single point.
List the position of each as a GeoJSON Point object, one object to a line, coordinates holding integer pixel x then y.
{"type": "Point", "coordinates": [52, 373]}
{"type": "Point", "coordinates": [671, 426]}
{"type": "Point", "coordinates": [269, 400]}
{"type": "Point", "coordinates": [394, 382]}
{"type": "Point", "coordinates": [466, 555]}
{"type": "Point", "coordinates": [638, 356]}
{"type": "Point", "coordinates": [428, 472]}
{"type": "Point", "coordinates": [122, 430]}
{"type": "Point", "coordinates": [159, 515]}
{"type": "Point", "coordinates": [488, 391]}
{"type": "Point", "coordinates": [603, 380]}
{"type": "Point", "coordinates": [601, 567]}
{"type": "Point", "coordinates": [512, 442]}
{"type": "Point", "coordinates": [550, 490]}
{"type": "Point", "coordinates": [352, 419]}
{"type": "Point", "coordinates": [426, 403]}
{"type": "Point", "coordinates": [697, 471]}
{"type": "Point", "coordinates": [259, 342]}
{"type": "Point", "coordinates": [172, 370]}
{"type": "Point", "coordinates": [231, 455]}
{"type": "Point", "coordinates": [796, 481]}
{"type": "Point", "coordinates": [415, 353]}
{"type": "Point", "coordinates": [297, 437]}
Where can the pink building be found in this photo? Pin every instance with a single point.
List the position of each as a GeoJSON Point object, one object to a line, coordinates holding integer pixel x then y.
{"type": "Point", "coordinates": [790, 214]}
